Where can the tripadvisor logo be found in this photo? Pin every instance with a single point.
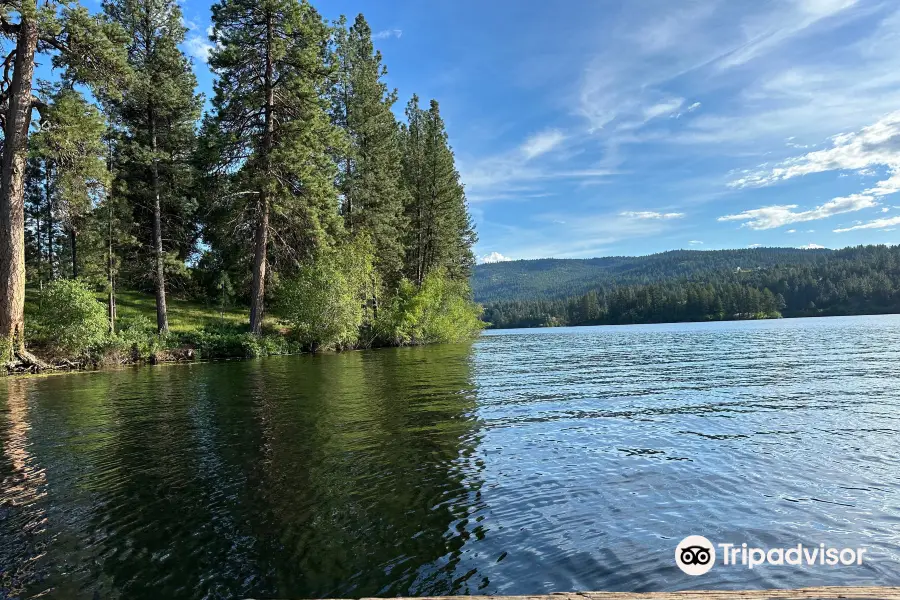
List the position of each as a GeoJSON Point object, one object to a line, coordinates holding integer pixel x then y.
{"type": "Point", "coordinates": [696, 555]}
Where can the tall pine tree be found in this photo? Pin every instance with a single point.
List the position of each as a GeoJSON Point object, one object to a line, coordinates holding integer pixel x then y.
{"type": "Point", "coordinates": [440, 234]}
{"type": "Point", "coordinates": [158, 115]}
{"type": "Point", "coordinates": [89, 51]}
{"type": "Point", "coordinates": [370, 170]}
{"type": "Point", "coordinates": [70, 144]}
{"type": "Point", "coordinates": [270, 135]}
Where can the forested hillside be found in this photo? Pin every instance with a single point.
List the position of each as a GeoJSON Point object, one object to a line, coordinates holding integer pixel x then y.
{"type": "Point", "coordinates": [560, 278]}
{"type": "Point", "coordinates": [861, 280]}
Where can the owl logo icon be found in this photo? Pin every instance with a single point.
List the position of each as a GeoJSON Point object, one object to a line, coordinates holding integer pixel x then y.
{"type": "Point", "coordinates": [695, 555]}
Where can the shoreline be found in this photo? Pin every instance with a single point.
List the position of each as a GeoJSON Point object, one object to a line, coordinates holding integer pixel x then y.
{"type": "Point", "coordinates": [790, 316]}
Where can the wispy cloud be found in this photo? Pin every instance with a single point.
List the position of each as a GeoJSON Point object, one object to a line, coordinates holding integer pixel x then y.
{"type": "Point", "coordinates": [767, 32]}
{"type": "Point", "coordinates": [769, 217]}
{"type": "Point", "coordinates": [579, 235]}
{"type": "Point", "coordinates": [199, 46]}
{"type": "Point", "coordinates": [876, 145]}
{"type": "Point", "coordinates": [876, 224]}
{"type": "Point", "coordinates": [812, 247]}
{"type": "Point", "coordinates": [647, 214]}
{"type": "Point", "coordinates": [387, 33]}
{"type": "Point", "coordinates": [542, 143]}
{"type": "Point", "coordinates": [667, 107]}
{"type": "Point", "coordinates": [695, 243]}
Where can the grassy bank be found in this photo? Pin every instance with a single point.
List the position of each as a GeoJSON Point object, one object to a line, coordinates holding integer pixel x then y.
{"type": "Point", "coordinates": [67, 325]}
{"type": "Point", "coordinates": [196, 331]}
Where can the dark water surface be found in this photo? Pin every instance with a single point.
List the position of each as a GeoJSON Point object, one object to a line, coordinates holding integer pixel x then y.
{"type": "Point", "coordinates": [530, 461]}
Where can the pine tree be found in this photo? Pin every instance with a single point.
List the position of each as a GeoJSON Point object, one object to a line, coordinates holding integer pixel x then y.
{"type": "Point", "coordinates": [271, 136]}
{"type": "Point", "coordinates": [440, 233]}
{"type": "Point", "coordinates": [88, 51]}
{"type": "Point", "coordinates": [70, 143]}
{"type": "Point", "coordinates": [158, 116]}
{"type": "Point", "coordinates": [370, 171]}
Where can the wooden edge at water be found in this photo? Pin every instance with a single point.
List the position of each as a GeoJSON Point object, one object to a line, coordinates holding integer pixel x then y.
{"type": "Point", "coordinates": [812, 593]}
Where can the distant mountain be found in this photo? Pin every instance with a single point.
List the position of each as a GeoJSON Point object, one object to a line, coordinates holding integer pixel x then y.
{"type": "Point", "coordinates": [552, 278]}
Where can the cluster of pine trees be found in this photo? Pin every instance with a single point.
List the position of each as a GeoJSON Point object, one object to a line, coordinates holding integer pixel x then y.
{"type": "Point", "coordinates": [860, 280]}
{"type": "Point", "coordinates": [299, 177]}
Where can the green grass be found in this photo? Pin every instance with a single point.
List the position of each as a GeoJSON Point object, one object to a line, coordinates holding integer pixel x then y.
{"type": "Point", "coordinates": [184, 315]}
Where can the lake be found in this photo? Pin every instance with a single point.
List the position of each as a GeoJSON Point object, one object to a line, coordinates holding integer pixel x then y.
{"type": "Point", "coordinates": [530, 461]}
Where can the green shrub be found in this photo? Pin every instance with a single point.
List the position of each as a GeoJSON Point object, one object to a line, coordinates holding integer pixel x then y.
{"type": "Point", "coordinates": [324, 303]}
{"type": "Point", "coordinates": [230, 341]}
{"type": "Point", "coordinates": [137, 335]}
{"type": "Point", "coordinates": [70, 319]}
{"type": "Point", "coordinates": [439, 311]}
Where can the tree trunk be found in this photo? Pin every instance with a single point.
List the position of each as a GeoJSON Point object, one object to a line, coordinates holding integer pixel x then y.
{"type": "Point", "coordinates": [49, 194]}
{"type": "Point", "coordinates": [162, 317]}
{"type": "Point", "coordinates": [111, 265]}
{"type": "Point", "coordinates": [258, 291]}
{"type": "Point", "coordinates": [40, 247]}
{"type": "Point", "coordinates": [74, 242]}
{"type": "Point", "coordinates": [12, 188]}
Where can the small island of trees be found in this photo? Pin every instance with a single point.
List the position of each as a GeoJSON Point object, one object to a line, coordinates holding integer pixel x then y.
{"type": "Point", "coordinates": [298, 193]}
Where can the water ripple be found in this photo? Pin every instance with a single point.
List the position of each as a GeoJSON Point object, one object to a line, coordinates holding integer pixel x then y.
{"type": "Point", "coordinates": [529, 462]}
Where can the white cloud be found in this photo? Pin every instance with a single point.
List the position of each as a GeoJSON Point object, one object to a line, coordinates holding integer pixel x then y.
{"type": "Point", "coordinates": [792, 231]}
{"type": "Point", "coordinates": [199, 47]}
{"type": "Point", "coordinates": [769, 217]}
{"type": "Point", "coordinates": [873, 146]}
{"type": "Point", "coordinates": [812, 247]}
{"type": "Point", "coordinates": [541, 143]}
{"type": "Point", "coordinates": [646, 214]}
{"type": "Point", "coordinates": [665, 107]}
{"type": "Point", "coordinates": [582, 235]}
{"type": "Point", "coordinates": [493, 257]}
{"type": "Point", "coordinates": [755, 246]}
{"type": "Point", "coordinates": [695, 243]}
{"type": "Point", "coordinates": [387, 33]}
{"type": "Point", "coordinates": [876, 224]}
{"type": "Point", "coordinates": [885, 209]}
{"type": "Point", "coordinates": [772, 30]}
{"type": "Point", "coordinates": [689, 109]}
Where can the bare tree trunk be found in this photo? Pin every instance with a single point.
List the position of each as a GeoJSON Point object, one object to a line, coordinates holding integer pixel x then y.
{"type": "Point", "coordinates": [12, 189]}
{"type": "Point", "coordinates": [258, 291]}
{"type": "Point", "coordinates": [40, 246]}
{"type": "Point", "coordinates": [111, 264]}
{"type": "Point", "coordinates": [162, 317]}
{"type": "Point", "coordinates": [74, 242]}
{"type": "Point", "coordinates": [48, 192]}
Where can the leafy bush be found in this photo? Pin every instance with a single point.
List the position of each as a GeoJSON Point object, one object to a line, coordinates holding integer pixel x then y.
{"type": "Point", "coordinates": [324, 303]}
{"type": "Point", "coordinates": [70, 319]}
{"type": "Point", "coordinates": [230, 341]}
{"type": "Point", "coordinates": [440, 311]}
{"type": "Point", "coordinates": [137, 335]}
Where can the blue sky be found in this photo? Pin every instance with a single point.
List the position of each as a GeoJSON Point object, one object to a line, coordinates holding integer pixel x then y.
{"type": "Point", "coordinates": [597, 128]}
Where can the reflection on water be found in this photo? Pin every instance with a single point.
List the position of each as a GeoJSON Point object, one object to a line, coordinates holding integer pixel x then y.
{"type": "Point", "coordinates": [528, 462]}
{"type": "Point", "coordinates": [319, 476]}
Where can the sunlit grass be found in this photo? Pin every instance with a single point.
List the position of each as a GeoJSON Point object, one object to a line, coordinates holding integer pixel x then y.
{"type": "Point", "coordinates": [184, 315]}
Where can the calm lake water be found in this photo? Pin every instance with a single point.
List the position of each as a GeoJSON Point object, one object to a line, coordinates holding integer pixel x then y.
{"type": "Point", "coordinates": [531, 461]}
